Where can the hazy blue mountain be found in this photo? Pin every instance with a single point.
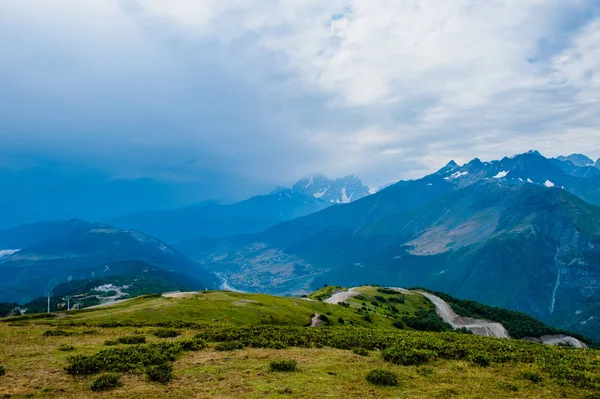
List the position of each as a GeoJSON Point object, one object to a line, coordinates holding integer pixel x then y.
{"type": "Point", "coordinates": [27, 235]}
{"type": "Point", "coordinates": [496, 232]}
{"type": "Point", "coordinates": [250, 216]}
{"type": "Point", "coordinates": [214, 220]}
{"type": "Point", "coordinates": [82, 253]}
{"type": "Point", "coordinates": [577, 160]}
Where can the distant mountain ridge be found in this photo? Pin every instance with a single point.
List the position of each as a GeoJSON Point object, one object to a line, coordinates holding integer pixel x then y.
{"type": "Point", "coordinates": [520, 233]}
{"type": "Point", "coordinates": [75, 250]}
{"type": "Point", "coordinates": [531, 168]}
{"type": "Point", "coordinates": [249, 216]}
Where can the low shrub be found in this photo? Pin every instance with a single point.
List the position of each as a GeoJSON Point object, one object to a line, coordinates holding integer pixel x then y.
{"type": "Point", "coordinates": [426, 320]}
{"type": "Point", "coordinates": [399, 325]}
{"type": "Point", "coordinates": [399, 299]}
{"type": "Point", "coordinates": [425, 371]}
{"type": "Point", "coordinates": [360, 351]}
{"type": "Point", "coordinates": [283, 365]}
{"type": "Point", "coordinates": [483, 360]}
{"type": "Point", "coordinates": [57, 333]}
{"type": "Point", "coordinates": [166, 333]}
{"type": "Point", "coordinates": [105, 382]}
{"type": "Point", "coordinates": [121, 359]}
{"type": "Point", "coordinates": [532, 376]}
{"type": "Point", "coordinates": [111, 342]}
{"type": "Point", "coordinates": [2, 370]}
{"type": "Point", "coordinates": [388, 291]}
{"type": "Point", "coordinates": [81, 365]}
{"type": "Point", "coordinates": [66, 348]}
{"type": "Point", "coordinates": [162, 373]}
{"type": "Point", "coordinates": [229, 346]}
{"type": "Point", "coordinates": [341, 320]}
{"type": "Point", "coordinates": [132, 340]}
{"type": "Point", "coordinates": [507, 386]}
{"type": "Point", "coordinates": [382, 378]}
{"type": "Point", "coordinates": [407, 357]}
{"type": "Point", "coordinates": [192, 345]}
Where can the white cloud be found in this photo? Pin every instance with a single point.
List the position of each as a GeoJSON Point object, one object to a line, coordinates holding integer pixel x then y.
{"type": "Point", "coordinates": [384, 89]}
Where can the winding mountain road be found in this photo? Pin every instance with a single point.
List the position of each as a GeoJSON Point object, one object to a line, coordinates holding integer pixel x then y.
{"type": "Point", "coordinates": [476, 326]}
{"type": "Point", "coordinates": [342, 296]}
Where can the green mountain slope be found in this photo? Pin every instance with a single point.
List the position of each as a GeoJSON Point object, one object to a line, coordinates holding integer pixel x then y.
{"type": "Point", "coordinates": [224, 344]}
{"type": "Point", "coordinates": [84, 252]}
{"type": "Point", "coordinates": [523, 247]}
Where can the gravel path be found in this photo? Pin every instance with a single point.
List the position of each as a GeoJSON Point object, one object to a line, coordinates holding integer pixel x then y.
{"type": "Point", "coordinates": [342, 296]}
{"type": "Point", "coordinates": [478, 327]}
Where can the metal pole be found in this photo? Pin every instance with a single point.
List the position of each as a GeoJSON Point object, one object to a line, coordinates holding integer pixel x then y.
{"type": "Point", "coordinates": [48, 303]}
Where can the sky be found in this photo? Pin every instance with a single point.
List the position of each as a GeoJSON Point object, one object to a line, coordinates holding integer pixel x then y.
{"type": "Point", "coordinates": [227, 98]}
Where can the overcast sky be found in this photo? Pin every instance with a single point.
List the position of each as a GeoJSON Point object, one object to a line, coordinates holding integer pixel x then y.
{"type": "Point", "coordinates": [259, 93]}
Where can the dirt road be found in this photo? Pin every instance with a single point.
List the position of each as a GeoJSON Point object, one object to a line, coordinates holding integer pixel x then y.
{"type": "Point", "coordinates": [478, 327]}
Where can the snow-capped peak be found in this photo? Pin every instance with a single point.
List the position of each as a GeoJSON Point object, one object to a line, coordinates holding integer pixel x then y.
{"type": "Point", "coordinates": [338, 191]}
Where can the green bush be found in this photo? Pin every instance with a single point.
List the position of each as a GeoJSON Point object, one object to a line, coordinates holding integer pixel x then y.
{"type": "Point", "coordinates": [382, 378]}
{"type": "Point", "coordinates": [507, 386]}
{"type": "Point", "coordinates": [360, 351]}
{"type": "Point", "coordinates": [532, 376]}
{"type": "Point", "coordinates": [105, 382]}
{"type": "Point", "coordinates": [2, 370]}
{"type": "Point", "coordinates": [57, 333]}
{"type": "Point", "coordinates": [399, 325]}
{"type": "Point", "coordinates": [81, 365]}
{"type": "Point", "coordinates": [388, 291]}
{"type": "Point", "coordinates": [166, 333]}
{"type": "Point", "coordinates": [132, 340]}
{"type": "Point", "coordinates": [162, 373]}
{"type": "Point", "coordinates": [192, 345]}
{"type": "Point", "coordinates": [283, 365]}
{"type": "Point", "coordinates": [399, 299]}
{"type": "Point", "coordinates": [483, 360]}
{"type": "Point", "coordinates": [121, 359]}
{"type": "Point", "coordinates": [229, 346]}
{"type": "Point", "coordinates": [426, 320]}
{"type": "Point", "coordinates": [407, 357]}
{"type": "Point", "coordinates": [111, 342]}
{"type": "Point", "coordinates": [66, 348]}
{"type": "Point", "coordinates": [380, 298]}
{"type": "Point", "coordinates": [341, 320]}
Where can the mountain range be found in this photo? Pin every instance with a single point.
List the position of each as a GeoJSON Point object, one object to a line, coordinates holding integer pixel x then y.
{"type": "Point", "coordinates": [57, 252]}
{"type": "Point", "coordinates": [253, 215]}
{"type": "Point", "coordinates": [522, 233]}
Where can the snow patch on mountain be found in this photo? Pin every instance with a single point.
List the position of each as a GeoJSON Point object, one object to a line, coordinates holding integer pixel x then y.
{"type": "Point", "coordinates": [456, 175]}
{"type": "Point", "coordinates": [8, 252]}
{"type": "Point", "coordinates": [338, 191]}
{"type": "Point", "coordinates": [501, 174]}
{"type": "Point", "coordinates": [548, 183]}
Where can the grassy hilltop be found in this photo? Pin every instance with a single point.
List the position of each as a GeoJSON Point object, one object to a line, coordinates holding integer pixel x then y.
{"type": "Point", "coordinates": [218, 344]}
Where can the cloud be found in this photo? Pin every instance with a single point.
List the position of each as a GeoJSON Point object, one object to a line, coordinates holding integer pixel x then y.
{"type": "Point", "coordinates": [265, 92]}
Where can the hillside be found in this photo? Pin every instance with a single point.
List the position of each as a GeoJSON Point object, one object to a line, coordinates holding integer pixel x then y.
{"type": "Point", "coordinates": [84, 251]}
{"type": "Point", "coordinates": [533, 247]}
{"type": "Point", "coordinates": [221, 344]}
